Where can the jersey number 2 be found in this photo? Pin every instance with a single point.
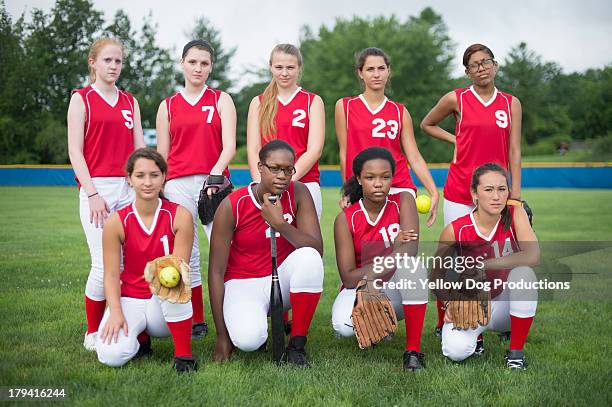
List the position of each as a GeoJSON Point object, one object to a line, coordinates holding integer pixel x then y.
{"type": "Point", "coordinates": [300, 115]}
{"type": "Point", "coordinates": [288, 218]}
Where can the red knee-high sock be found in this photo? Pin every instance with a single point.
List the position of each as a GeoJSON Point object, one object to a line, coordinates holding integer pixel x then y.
{"type": "Point", "coordinates": [414, 315]}
{"type": "Point", "coordinates": [303, 306]}
{"type": "Point", "coordinates": [94, 311]}
{"type": "Point", "coordinates": [519, 328]}
{"type": "Point", "coordinates": [197, 303]}
{"type": "Point", "coordinates": [441, 312]}
{"type": "Point", "coordinates": [181, 336]}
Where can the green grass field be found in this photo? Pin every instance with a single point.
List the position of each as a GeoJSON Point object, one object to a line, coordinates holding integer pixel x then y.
{"type": "Point", "coordinates": [44, 263]}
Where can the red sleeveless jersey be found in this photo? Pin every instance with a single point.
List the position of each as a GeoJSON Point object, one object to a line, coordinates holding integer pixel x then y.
{"type": "Point", "coordinates": [142, 245]}
{"type": "Point", "coordinates": [499, 243]}
{"type": "Point", "coordinates": [483, 135]}
{"type": "Point", "coordinates": [292, 125]}
{"type": "Point", "coordinates": [381, 127]}
{"type": "Point", "coordinates": [195, 134]}
{"type": "Point", "coordinates": [109, 134]}
{"type": "Point", "coordinates": [249, 255]}
{"type": "Point", "coordinates": [373, 237]}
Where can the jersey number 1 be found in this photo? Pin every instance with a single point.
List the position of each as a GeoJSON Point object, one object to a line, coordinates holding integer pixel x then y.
{"type": "Point", "coordinates": [164, 241]}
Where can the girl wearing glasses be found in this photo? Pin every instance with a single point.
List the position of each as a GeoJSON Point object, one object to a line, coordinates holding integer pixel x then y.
{"type": "Point", "coordinates": [285, 111]}
{"type": "Point", "coordinates": [488, 129]}
{"type": "Point", "coordinates": [240, 268]}
{"type": "Point", "coordinates": [371, 119]}
{"type": "Point", "coordinates": [196, 133]}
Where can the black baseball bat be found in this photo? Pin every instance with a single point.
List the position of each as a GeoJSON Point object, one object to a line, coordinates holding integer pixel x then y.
{"type": "Point", "coordinates": [276, 303]}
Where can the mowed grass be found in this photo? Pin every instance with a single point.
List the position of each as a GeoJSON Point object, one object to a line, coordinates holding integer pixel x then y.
{"type": "Point", "coordinates": [44, 263]}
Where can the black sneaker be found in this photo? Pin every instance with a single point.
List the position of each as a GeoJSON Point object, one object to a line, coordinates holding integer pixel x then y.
{"type": "Point", "coordinates": [413, 361]}
{"type": "Point", "coordinates": [296, 354]}
{"type": "Point", "coordinates": [144, 350]}
{"type": "Point", "coordinates": [515, 359]}
{"type": "Point", "coordinates": [438, 332]}
{"type": "Point", "coordinates": [479, 347]}
{"type": "Point", "coordinates": [199, 330]}
{"type": "Point", "coordinates": [185, 364]}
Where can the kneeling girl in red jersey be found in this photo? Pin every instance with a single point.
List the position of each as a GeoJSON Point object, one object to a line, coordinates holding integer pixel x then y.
{"type": "Point", "coordinates": [240, 266]}
{"type": "Point", "coordinates": [138, 233]}
{"type": "Point", "coordinates": [376, 226]}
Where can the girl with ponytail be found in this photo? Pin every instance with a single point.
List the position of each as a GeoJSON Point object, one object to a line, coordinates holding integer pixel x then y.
{"type": "Point", "coordinates": [285, 111]}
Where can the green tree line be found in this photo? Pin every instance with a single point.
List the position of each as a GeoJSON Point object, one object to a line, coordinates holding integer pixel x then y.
{"type": "Point", "coordinates": [44, 57]}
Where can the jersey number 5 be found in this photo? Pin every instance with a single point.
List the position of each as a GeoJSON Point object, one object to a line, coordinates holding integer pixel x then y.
{"type": "Point", "coordinates": [380, 125]}
{"type": "Point", "coordinates": [129, 120]}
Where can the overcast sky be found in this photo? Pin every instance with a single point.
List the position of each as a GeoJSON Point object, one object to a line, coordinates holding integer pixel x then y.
{"type": "Point", "coordinates": [575, 34]}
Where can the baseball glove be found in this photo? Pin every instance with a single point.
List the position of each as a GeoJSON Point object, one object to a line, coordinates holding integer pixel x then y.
{"type": "Point", "coordinates": [179, 294]}
{"type": "Point", "coordinates": [469, 308]}
{"type": "Point", "coordinates": [373, 316]}
{"type": "Point", "coordinates": [207, 205]}
{"type": "Point", "coordinates": [520, 202]}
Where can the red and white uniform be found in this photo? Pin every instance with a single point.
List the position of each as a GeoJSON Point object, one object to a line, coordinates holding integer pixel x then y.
{"type": "Point", "coordinates": [499, 243]}
{"type": "Point", "coordinates": [483, 135]}
{"type": "Point", "coordinates": [507, 302]}
{"type": "Point", "coordinates": [250, 248]}
{"type": "Point", "coordinates": [373, 237]}
{"type": "Point", "coordinates": [195, 134]}
{"type": "Point", "coordinates": [381, 127]}
{"type": "Point", "coordinates": [292, 125]}
{"type": "Point", "coordinates": [143, 244]}
{"type": "Point", "coordinates": [109, 136]}
{"type": "Point", "coordinates": [142, 310]}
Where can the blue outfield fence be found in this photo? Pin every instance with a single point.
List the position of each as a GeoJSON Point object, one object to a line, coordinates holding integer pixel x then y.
{"type": "Point", "coordinates": [535, 175]}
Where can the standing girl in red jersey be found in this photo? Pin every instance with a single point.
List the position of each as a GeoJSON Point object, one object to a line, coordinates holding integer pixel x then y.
{"type": "Point", "coordinates": [488, 130]}
{"type": "Point", "coordinates": [103, 130]}
{"type": "Point", "coordinates": [287, 112]}
{"type": "Point", "coordinates": [240, 267]}
{"type": "Point", "coordinates": [377, 224]}
{"type": "Point", "coordinates": [371, 119]}
{"type": "Point", "coordinates": [196, 133]}
{"type": "Point", "coordinates": [148, 228]}
{"type": "Point", "coordinates": [502, 235]}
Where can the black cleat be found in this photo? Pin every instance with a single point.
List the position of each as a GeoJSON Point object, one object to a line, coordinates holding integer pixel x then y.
{"type": "Point", "coordinates": [199, 330]}
{"type": "Point", "coordinates": [413, 361]}
{"type": "Point", "coordinates": [438, 332]}
{"type": "Point", "coordinates": [515, 359]}
{"type": "Point", "coordinates": [185, 364]}
{"type": "Point", "coordinates": [144, 350]}
{"type": "Point", "coordinates": [296, 354]}
{"type": "Point", "coordinates": [479, 347]}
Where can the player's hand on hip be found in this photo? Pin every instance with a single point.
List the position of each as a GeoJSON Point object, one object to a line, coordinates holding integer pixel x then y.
{"type": "Point", "coordinates": [113, 326]}
{"type": "Point", "coordinates": [223, 348]}
{"type": "Point", "coordinates": [433, 209]}
{"type": "Point", "coordinates": [98, 210]}
{"type": "Point", "coordinates": [272, 212]}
